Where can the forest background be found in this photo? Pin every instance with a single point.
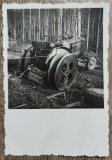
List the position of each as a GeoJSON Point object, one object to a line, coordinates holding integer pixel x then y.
{"type": "Point", "coordinates": [26, 25]}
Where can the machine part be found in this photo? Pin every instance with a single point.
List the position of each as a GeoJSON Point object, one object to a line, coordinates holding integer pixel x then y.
{"type": "Point", "coordinates": [66, 44]}
{"type": "Point", "coordinates": [52, 68]}
{"type": "Point", "coordinates": [36, 74]}
{"type": "Point", "coordinates": [66, 72]}
{"type": "Point", "coordinates": [54, 52]}
{"type": "Point", "coordinates": [94, 98]}
{"type": "Point", "coordinates": [25, 60]}
{"type": "Point", "coordinates": [91, 63]}
{"type": "Point", "coordinates": [37, 70]}
{"type": "Point", "coordinates": [35, 77]}
{"type": "Point", "coordinates": [50, 56]}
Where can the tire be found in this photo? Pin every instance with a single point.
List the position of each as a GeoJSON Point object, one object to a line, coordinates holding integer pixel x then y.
{"type": "Point", "coordinates": [91, 63]}
{"type": "Point", "coordinates": [94, 98]}
{"type": "Point", "coordinates": [25, 60]}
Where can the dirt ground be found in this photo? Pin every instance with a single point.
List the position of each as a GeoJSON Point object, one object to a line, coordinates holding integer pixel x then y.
{"type": "Point", "coordinates": [27, 94]}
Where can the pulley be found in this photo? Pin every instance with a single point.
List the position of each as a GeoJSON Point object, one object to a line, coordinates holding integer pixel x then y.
{"type": "Point", "coordinates": [62, 71]}
{"type": "Point", "coordinates": [66, 72]}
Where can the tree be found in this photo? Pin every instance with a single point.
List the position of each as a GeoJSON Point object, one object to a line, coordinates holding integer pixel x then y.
{"type": "Point", "coordinates": [23, 24]}
{"type": "Point", "coordinates": [88, 30]}
{"type": "Point", "coordinates": [98, 34]}
{"type": "Point", "coordinates": [79, 23]}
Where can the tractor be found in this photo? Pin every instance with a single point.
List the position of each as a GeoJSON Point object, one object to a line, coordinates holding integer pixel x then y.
{"type": "Point", "coordinates": [56, 62]}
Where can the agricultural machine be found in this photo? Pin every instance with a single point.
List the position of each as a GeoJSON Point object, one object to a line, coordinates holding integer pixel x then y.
{"type": "Point", "coordinates": [56, 62]}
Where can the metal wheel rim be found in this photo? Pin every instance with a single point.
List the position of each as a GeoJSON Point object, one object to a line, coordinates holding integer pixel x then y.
{"type": "Point", "coordinates": [67, 77]}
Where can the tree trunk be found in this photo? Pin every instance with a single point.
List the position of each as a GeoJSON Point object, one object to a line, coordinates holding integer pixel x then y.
{"type": "Point", "coordinates": [76, 28]}
{"type": "Point", "coordinates": [88, 31]}
{"type": "Point", "coordinates": [93, 26]}
{"type": "Point", "coordinates": [74, 20]}
{"type": "Point", "coordinates": [39, 26]}
{"type": "Point", "coordinates": [79, 23]}
{"type": "Point", "coordinates": [46, 33]}
{"type": "Point", "coordinates": [30, 27]}
{"type": "Point", "coordinates": [15, 31]}
{"type": "Point", "coordinates": [98, 35]}
{"type": "Point", "coordinates": [61, 19]}
{"type": "Point", "coordinates": [23, 25]}
{"type": "Point", "coordinates": [34, 23]}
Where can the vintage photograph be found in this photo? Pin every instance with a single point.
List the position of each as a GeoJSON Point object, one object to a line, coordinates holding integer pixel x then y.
{"type": "Point", "coordinates": [55, 58]}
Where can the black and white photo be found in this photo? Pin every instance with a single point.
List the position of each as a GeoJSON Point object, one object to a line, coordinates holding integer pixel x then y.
{"type": "Point", "coordinates": [55, 58]}
{"type": "Point", "coordinates": [56, 79]}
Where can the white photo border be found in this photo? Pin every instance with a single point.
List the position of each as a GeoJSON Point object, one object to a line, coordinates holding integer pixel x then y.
{"type": "Point", "coordinates": [60, 136]}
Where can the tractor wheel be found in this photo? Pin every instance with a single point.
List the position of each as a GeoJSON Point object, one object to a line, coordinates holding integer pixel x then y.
{"type": "Point", "coordinates": [52, 68]}
{"type": "Point", "coordinates": [94, 98]}
{"type": "Point", "coordinates": [66, 72]}
{"type": "Point", "coordinates": [25, 60]}
{"type": "Point", "coordinates": [91, 63]}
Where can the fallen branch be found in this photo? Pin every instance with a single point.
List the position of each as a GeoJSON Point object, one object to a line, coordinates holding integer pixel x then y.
{"type": "Point", "coordinates": [22, 105]}
{"type": "Point", "coordinates": [54, 95]}
{"type": "Point", "coordinates": [73, 104]}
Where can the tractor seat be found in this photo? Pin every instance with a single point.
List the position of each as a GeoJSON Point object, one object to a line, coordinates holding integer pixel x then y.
{"type": "Point", "coordinates": [41, 47]}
